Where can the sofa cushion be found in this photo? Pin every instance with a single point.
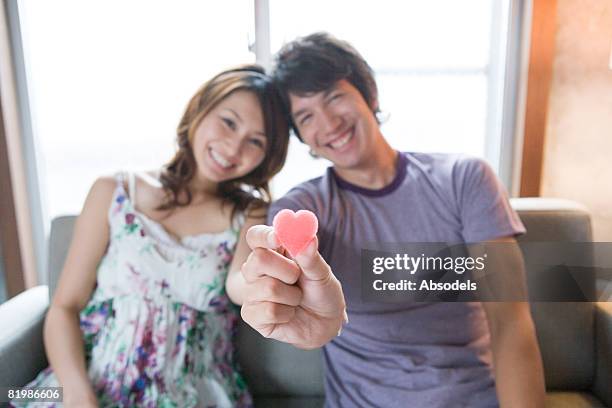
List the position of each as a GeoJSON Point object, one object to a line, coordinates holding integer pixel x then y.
{"type": "Point", "coordinates": [289, 402]}
{"type": "Point", "coordinates": [572, 400]}
{"type": "Point", "coordinates": [61, 235]}
{"type": "Point", "coordinates": [565, 330]}
{"type": "Point", "coordinates": [275, 369]}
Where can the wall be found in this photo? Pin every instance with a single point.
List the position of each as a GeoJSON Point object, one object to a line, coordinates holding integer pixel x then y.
{"type": "Point", "coordinates": [2, 285]}
{"type": "Point", "coordinates": [578, 149]}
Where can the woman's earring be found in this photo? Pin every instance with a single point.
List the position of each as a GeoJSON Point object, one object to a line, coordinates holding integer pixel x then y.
{"type": "Point", "coordinates": [312, 154]}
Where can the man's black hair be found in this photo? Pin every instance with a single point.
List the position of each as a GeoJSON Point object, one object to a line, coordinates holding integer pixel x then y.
{"type": "Point", "coordinates": [315, 63]}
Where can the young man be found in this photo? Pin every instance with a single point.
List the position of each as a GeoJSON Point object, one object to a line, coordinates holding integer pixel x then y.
{"type": "Point", "coordinates": [390, 354]}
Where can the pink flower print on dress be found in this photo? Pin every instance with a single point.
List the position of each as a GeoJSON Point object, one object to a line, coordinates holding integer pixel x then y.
{"type": "Point", "coordinates": [225, 252]}
{"type": "Point", "coordinates": [219, 303]}
{"type": "Point", "coordinates": [130, 225]}
{"type": "Point", "coordinates": [141, 284]}
{"type": "Point", "coordinates": [163, 287]}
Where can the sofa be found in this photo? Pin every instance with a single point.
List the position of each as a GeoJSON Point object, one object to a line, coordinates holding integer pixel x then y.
{"type": "Point", "coordinates": [575, 338]}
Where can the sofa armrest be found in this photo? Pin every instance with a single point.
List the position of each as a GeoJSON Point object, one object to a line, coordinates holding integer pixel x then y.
{"type": "Point", "coordinates": [21, 340]}
{"type": "Point", "coordinates": [603, 346]}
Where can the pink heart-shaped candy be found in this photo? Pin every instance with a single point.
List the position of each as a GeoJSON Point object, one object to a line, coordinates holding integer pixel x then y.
{"type": "Point", "coordinates": [295, 230]}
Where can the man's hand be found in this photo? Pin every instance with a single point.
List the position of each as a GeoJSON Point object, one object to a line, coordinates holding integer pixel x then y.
{"type": "Point", "coordinates": [297, 301]}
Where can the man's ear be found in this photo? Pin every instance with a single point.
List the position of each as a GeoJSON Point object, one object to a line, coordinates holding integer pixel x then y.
{"type": "Point", "coordinates": [375, 109]}
{"type": "Point", "coordinates": [374, 104]}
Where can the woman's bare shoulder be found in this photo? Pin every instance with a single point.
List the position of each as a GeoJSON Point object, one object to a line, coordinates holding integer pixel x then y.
{"type": "Point", "coordinates": [103, 188]}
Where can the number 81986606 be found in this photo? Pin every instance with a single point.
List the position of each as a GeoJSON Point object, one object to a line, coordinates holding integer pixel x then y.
{"type": "Point", "coordinates": [36, 394]}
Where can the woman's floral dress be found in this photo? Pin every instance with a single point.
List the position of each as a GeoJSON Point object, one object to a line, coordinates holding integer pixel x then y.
{"type": "Point", "coordinates": [158, 329]}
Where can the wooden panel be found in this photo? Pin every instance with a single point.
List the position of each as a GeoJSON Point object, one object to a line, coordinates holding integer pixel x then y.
{"type": "Point", "coordinates": [9, 236]}
{"type": "Point", "coordinates": [541, 57]}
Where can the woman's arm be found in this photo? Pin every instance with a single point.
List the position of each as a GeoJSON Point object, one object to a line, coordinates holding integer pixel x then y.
{"type": "Point", "coordinates": [235, 285]}
{"type": "Point", "coordinates": [62, 334]}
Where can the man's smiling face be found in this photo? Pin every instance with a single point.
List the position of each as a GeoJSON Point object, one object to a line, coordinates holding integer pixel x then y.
{"type": "Point", "coordinates": [336, 123]}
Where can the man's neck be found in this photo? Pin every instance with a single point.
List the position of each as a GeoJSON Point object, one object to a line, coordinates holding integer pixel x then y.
{"type": "Point", "coordinates": [376, 172]}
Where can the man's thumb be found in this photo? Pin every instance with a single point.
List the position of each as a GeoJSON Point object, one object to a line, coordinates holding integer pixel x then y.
{"type": "Point", "coordinates": [312, 263]}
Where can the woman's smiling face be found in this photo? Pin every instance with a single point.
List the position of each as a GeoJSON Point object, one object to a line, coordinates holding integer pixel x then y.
{"type": "Point", "coordinates": [230, 141]}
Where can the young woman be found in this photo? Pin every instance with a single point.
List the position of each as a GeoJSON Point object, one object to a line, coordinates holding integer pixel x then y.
{"type": "Point", "coordinates": [140, 316]}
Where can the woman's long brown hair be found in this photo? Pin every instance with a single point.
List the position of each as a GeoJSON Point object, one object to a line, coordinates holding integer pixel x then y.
{"type": "Point", "coordinates": [247, 193]}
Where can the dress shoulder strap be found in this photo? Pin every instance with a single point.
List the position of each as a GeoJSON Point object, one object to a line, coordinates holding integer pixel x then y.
{"type": "Point", "coordinates": [132, 188]}
{"type": "Point", "coordinates": [238, 221]}
{"type": "Point", "coordinates": [120, 178]}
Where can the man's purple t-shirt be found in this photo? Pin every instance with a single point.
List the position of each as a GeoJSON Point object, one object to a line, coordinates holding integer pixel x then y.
{"type": "Point", "coordinates": [407, 354]}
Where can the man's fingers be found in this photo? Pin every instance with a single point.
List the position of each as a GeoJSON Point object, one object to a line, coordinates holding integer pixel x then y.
{"type": "Point", "coordinates": [312, 263]}
{"type": "Point", "coordinates": [261, 236]}
{"type": "Point", "coordinates": [261, 315]}
{"type": "Point", "coordinates": [268, 289]}
{"type": "Point", "coordinates": [265, 262]}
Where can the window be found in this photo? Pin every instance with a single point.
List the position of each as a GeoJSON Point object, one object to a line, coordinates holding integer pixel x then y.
{"type": "Point", "coordinates": [108, 80]}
